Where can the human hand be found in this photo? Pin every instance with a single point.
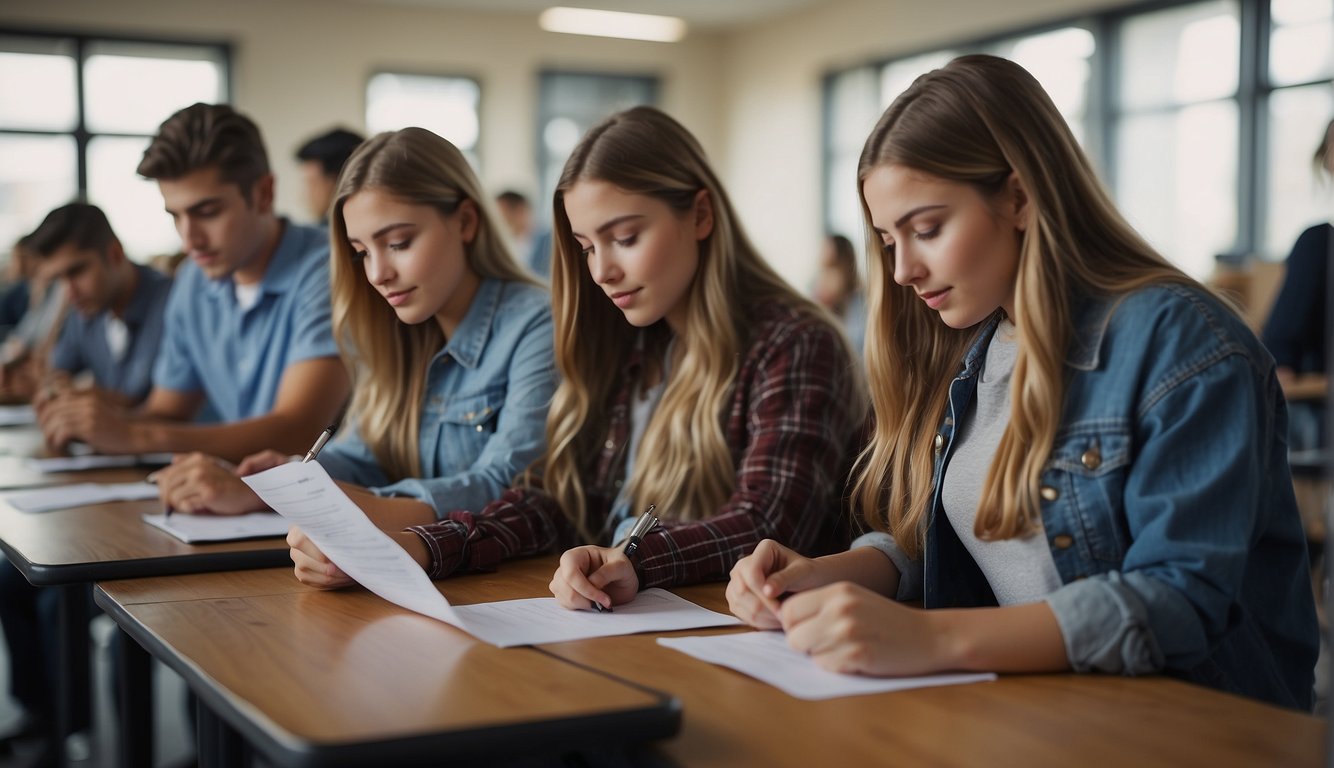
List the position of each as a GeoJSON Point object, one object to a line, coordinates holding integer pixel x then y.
{"type": "Point", "coordinates": [850, 629]}
{"type": "Point", "coordinates": [588, 575]}
{"type": "Point", "coordinates": [258, 462]}
{"type": "Point", "coordinates": [760, 579]}
{"type": "Point", "coordinates": [88, 418]}
{"type": "Point", "coordinates": [200, 483]}
{"type": "Point", "coordinates": [311, 565]}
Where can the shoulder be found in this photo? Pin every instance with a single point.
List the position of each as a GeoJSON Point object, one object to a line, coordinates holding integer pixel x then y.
{"type": "Point", "coordinates": [784, 335]}
{"type": "Point", "coordinates": [525, 298]}
{"type": "Point", "coordinates": [1313, 245]}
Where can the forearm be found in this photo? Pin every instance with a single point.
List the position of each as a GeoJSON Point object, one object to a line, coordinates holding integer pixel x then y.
{"type": "Point", "coordinates": [233, 441]}
{"type": "Point", "coordinates": [390, 513]}
{"type": "Point", "coordinates": [1017, 638]}
{"type": "Point", "coordinates": [864, 566]}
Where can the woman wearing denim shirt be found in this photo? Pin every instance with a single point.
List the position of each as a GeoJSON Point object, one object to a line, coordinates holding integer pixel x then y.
{"type": "Point", "coordinates": [449, 342]}
{"type": "Point", "coordinates": [1079, 454]}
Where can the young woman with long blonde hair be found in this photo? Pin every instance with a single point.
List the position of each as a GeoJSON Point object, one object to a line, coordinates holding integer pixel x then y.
{"type": "Point", "coordinates": [448, 341]}
{"type": "Point", "coordinates": [1078, 451]}
{"type": "Point", "coordinates": [693, 379]}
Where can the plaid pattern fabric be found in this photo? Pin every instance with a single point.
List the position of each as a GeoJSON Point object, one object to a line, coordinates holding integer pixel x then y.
{"type": "Point", "coordinates": [793, 428]}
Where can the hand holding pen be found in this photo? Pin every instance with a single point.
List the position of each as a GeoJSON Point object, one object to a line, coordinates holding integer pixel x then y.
{"type": "Point", "coordinates": [600, 577]}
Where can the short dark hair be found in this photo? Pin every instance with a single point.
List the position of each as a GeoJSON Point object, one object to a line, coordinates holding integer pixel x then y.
{"type": "Point", "coordinates": [207, 136]}
{"type": "Point", "coordinates": [79, 224]}
{"type": "Point", "coordinates": [510, 197]}
{"type": "Point", "coordinates": [331, 149]}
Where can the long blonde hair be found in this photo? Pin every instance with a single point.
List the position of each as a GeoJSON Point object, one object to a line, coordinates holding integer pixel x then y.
{"type": "Point", "coordinates": [386, 357]}
{"type": "Point", "coordinates": [976, 121]}
{"type": "Point", "coordinates": [684, 464]}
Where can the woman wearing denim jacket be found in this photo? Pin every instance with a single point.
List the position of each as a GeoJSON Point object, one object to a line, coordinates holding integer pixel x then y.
{"type": "Point", "coordinates": [449, 342]}
{"type": "Point", "coordinates": [1079, 455]}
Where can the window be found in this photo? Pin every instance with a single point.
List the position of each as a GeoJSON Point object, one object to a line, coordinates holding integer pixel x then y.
{"type": "Point", "coordinates": [446, 105]}
{"type": "Point", "coordinates": [72, 124]}
{"type": "Point", "coordinates": [1202, 115]}
{"type": "Point", "coordinates": [571, 103]}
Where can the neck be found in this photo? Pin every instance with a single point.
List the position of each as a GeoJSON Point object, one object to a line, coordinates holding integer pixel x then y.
{"type": "Point", "coordinates": [129, 280]}
{"type": "Point", "coordinates": [254, 270]}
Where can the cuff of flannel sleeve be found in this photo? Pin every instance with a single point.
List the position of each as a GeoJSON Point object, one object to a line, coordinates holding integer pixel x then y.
{"type": "Point", "coordinates": [910, 571]}
{"type": "Point", "coordinates": [447, 542]}
{"type": "Point", "coordinates": [1105, 626]}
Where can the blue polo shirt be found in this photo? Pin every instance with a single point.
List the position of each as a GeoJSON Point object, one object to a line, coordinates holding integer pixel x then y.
{"type": "Point", "coordinates": [83, 346]}
{"type": "Point", "coordinates": [237, 357]}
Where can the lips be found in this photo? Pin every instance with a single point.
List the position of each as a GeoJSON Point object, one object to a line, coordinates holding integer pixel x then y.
{"type": "Point", "coordinates": [934, 299]}
{"type": "Point", "coordinates": [398, 297]}
{"type": "Point", "coordinates": [624, 299]}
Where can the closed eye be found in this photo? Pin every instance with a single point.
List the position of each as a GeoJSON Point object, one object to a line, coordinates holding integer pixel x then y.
{"type": "Point", "coordinates": [928, 234]}
{"type": "Point", "coordinates": [401, 245]}
{"type": "Point", "coordinates": [627, 242]}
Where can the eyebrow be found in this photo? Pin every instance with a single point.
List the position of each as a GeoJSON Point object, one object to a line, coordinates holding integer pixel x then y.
{"type": "Point", "coordinates": [382, 231]}
{"type": "Point", "coordinates": [195, 208]}
{"type": "Point", "coordinates": [904, 218]}
{"type": "Point", "coordinates": [612, 223]}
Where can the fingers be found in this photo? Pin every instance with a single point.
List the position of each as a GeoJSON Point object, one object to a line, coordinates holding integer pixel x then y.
{"type": "Point", "coordinates": [570, 585]}
{"type": "Point", "coordinates": [197, 483]}
{"type": "Point", "coordinates": [750, 607]}
{"type": "Point", "coordinates": [310, 565]}
{"type": "Point", "coordinates": [258, 462]}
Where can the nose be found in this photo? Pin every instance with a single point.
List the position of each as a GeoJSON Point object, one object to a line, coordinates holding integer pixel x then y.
{"type": "Point", "coordinates": [602, 267]}
{"type": "Point", "coordinates": [192, 235]}
{"type": "Point", "coordinates": [907, 268]}
{"type": "Point", "coordinates": [378, 269]}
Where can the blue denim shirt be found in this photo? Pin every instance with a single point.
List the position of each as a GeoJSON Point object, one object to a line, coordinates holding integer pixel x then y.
{"type": "Point", "coordinates": [484, 416]}
{"type": "Point", "coordinates": [1167, 503]}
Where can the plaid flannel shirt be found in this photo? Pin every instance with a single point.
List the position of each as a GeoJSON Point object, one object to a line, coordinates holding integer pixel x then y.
{"type": "Point", "coordinates": [793, 426]}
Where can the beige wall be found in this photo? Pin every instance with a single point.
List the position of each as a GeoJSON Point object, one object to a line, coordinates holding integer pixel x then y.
{"type": "Point", "coordinates": [753, 96]}
{"type": "Point", "coordinates": [301, 65]}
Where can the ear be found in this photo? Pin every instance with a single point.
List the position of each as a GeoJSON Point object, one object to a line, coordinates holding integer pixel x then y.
{"type": "Point", "coordinates": [468, 221]}
{"type": "Point", "coordinates": [1017, 202]}
{"type": "Point", "coordinates": [703, 213]}
{"type": "Point", "coordinates": [115, 253]}
{"type": "Point", "coordinates": [261, 194]}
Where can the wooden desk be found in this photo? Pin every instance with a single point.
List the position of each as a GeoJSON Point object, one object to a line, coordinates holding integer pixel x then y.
{"type": "Point", "coordinates": [345, 678]}
{"type": "Point", "coordinates": [1029, 720]}
{"type": "Point", "coordinates": [69, 548]}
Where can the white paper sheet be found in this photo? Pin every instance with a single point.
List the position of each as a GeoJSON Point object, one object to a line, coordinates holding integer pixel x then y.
{"type": "Point", "coordinates": [767, 657]}
{"type": "Point", "coordinates": [78, 495]}
{"type": "Point", "coordinates": [97, 461]}
{"type": "Point", "coordinates": [304, 494]}
{"type": "Point", "coordinates": [17, 415]}
{"type": "Point", "coordinates": [194, 529]}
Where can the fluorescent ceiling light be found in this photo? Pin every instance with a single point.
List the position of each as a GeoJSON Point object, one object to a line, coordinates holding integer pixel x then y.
{"type": "Point", "coordinates": [631, 26]}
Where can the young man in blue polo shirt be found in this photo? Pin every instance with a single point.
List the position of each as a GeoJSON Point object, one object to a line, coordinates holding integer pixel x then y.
{"type": "Point", "coordinates": [247, 323]}
{"type": "Point", "coordinates": [116, 323]}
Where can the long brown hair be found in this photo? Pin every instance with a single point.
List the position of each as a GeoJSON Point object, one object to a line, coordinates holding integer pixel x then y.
{"type": "Point", "coordinates": [386, 357]}
{"type": "Point", "coordinates": [976, 121]}
{"type": "Point", "coordinates": [683, 464]}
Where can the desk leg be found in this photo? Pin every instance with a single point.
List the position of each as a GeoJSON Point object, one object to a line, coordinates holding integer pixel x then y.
{"type": "Point", "coordinates": [135, 694]}
{"type": "Point", "coordinates": [219, 745]}
{"type": "Point", "coordinates": [74, 684]}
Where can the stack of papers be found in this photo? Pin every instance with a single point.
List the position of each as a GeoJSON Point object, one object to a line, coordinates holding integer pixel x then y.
{"type": "Point", "coordinates": [80, 495]}
{"type": "Point", "coordinates": [304, 494]}
{"type": "Point", "coordinates": [767, 657]}
{"type": "Point", "coordinates": [98, 461]}
{"type": "Point", "coordinates": [17, 415]}
{"type": "Point", "coordinates": [194, 529]}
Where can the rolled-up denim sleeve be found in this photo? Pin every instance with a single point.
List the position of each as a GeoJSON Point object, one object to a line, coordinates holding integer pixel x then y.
{"type": "Point", "coordinates": [348, 458]}
{"type": "Point", "coordinates": [1191, 502]}
{"type": "Point", "coordinates": [910, 571]}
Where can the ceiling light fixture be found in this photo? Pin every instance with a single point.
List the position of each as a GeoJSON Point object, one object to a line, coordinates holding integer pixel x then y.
{"type": "Point", "coordinates": [630, 26]}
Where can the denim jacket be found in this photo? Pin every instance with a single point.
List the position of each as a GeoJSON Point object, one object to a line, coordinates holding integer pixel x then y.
{"type": "Point", "coordinates": [1167, 503]}
{"type": "Point", "coordinates": [484, 416]}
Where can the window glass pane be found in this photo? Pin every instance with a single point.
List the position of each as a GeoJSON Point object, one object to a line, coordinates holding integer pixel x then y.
{"type": "Point", "coordinates": [898, 75]}
{"type": "Point", "coordinates": [448, 106]}
{"type": "Point", "coordinates": [132, 203]}
{"type": "Point", "coordinates": [569, 104]}
{"type": "Point", "coordinates": [1301, 42]}
{"type": "Point", "coordinates": [132, 88]}
{"type": "Point", "coordinates": [1060, 61]}
{"type": "Point", "coordinates": [852, 115]}
{"type": "Point", "coordinates": [1298, 196]}
{"type": "Point", "coordinates": [1176, 181]}
{"type": "Point", "coordinates": [39, 173]}
{"type": "Point", "coordinates": [1180, 55]}
{"type": "Point", "coordinates": [37, 84]}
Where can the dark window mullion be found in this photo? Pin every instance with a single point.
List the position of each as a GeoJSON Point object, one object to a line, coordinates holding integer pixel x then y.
{"type": "Point", "coordinates": [1252, 131]}
{"type": "Point", "coordinates": [81, 135]}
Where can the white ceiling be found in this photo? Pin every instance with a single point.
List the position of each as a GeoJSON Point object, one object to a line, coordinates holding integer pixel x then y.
{"type": "Point", "coordinates": [708, 14]}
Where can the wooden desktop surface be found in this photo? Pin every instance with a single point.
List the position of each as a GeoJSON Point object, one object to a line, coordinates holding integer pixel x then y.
{"type": "Point", "coordinates": [731, 719]}
{"type": "Point", "coordinates": [311, 677]}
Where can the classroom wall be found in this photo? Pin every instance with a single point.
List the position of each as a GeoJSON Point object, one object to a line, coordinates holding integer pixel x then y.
{"type": "Point", "coordinates": [302, 65]}
{"type": "Point", "coordinates": [773, 112]}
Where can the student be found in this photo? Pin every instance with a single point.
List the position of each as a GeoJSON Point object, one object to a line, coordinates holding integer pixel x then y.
{"type": "Point", "coordinates": [322, 159]}
{"type": "Point", "coordinates": [1297, 327]}
{"type": "Point", "coordinates": [694, 379]}
{"type": "Point", "coordinates": [530, 241]}
{"type": "Point", "coordinates": [25, 348]}
{"type": "Point", "coordinates": [114, 332]}
{"type": "Point", "coordinates": [447, 338]}
{"type": "Point", "coordinates": [1110, 436]}
{"type": "Point", "coordinates": [838, 288]}
{"type": "Point", "coordinates": [247, 323]}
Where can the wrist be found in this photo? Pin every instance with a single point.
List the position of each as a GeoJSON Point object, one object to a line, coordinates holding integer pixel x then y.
{"type": "Point", "coordinates": [955, 647]}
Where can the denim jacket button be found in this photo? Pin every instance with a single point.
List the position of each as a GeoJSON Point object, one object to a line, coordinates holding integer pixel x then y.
{"type": "Point", "coordinates": [1091, 458]}
{"type": "Point", "coordinates": [1062, 541]}
{"type": "Point", "coordinates": [1049, 493]}
{"type": "Point", "coordinates": [940, 442]}
{"type": "Point", "coordinates": [609, 444]}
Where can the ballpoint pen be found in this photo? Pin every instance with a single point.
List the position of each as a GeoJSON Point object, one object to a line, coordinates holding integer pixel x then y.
{"type": "Point", "coordinates": [641, 527]}
{"type": "Point", "coordinates": [319, 444]}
